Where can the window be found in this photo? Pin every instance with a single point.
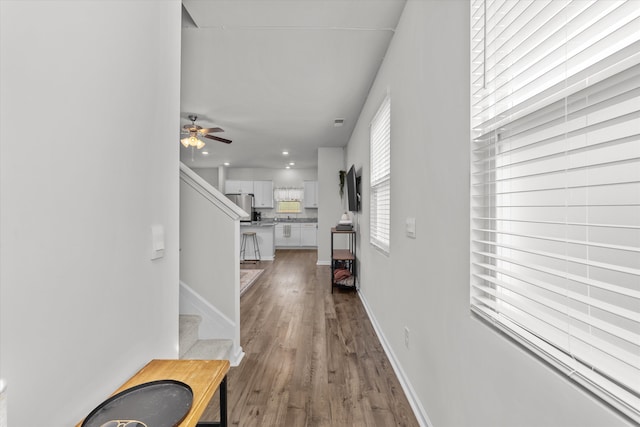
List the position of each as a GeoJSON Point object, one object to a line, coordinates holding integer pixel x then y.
{"type": "Point", "coordinates": [381, 177]}
{"type": "Point", "coordinates": [290, 206]}
{"type": "Point", "coordinates": [555, 185]}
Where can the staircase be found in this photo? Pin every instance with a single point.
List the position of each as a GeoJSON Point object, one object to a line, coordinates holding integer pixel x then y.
{"type": "Point", "coordinates": [191, 347]}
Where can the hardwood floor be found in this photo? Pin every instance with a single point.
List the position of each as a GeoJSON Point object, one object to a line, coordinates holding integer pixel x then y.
{"type": "Point", "coordinates": [312, 357]}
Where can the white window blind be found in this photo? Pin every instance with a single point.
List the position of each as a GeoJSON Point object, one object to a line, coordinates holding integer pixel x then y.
{"type": "Point", "coordinates": [380, 210]}
{"type": "Point", "coordinates": [555, 185]}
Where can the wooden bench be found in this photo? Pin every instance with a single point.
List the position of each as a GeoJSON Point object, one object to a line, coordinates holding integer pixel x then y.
{"type": "Point", "coordinates": [203, 376]}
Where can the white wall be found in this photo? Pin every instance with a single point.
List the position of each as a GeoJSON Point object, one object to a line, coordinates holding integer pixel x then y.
{"type": "Point", "coordinates": [88, 163]}
{"type": "Point", "coordinates": [210, 260]}
{"type": "Point", "coordinates": [211, 175]}
{"type": "Point", "coordinates": [461, 371]}
{"type": "Point", "coordinates": [331, 207]}
{"type": "Point", "coordinates": [210, 252]}
{"type": "Point", "coordinates": [222, 178]}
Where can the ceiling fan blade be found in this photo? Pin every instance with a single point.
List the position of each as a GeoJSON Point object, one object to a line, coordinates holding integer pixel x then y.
{"type": "Point", "coordinates": [210, 130]}
{"type": "Point", "coordinates": [217, 138]}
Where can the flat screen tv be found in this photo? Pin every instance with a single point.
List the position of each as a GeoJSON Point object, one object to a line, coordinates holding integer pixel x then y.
{"type": "Point", "coordinates": [353, 196]}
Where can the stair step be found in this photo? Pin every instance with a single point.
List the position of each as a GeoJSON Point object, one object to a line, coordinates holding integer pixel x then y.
{"type": "Point", "coordinates": [210, 350]}
{"type": "Point", "coordinates": [188, 332]}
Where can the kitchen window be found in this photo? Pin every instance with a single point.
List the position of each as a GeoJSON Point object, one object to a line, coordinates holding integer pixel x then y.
{"type": "Point", "coordinates": [555, 185]}
{"type": "Point", "coordinates": [289, 207]}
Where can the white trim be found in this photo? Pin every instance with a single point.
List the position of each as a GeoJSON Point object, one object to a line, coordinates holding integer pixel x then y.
{"type": "Point", "coordinates": [237, 356]}
{"type": "Point", "coordinates": [214, 325]}
{"type": "Point", "coordinates": [211, 193]}
{"type": "Point", "coordinates": [414, 402]}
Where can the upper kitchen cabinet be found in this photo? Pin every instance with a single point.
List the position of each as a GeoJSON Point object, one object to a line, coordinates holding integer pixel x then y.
{"type": "Point", "coordinates": [234, 186]}
{"type": "Point", "coordinates": [263, 191]}
{"type": "Point", "coordinates": [311, 194]}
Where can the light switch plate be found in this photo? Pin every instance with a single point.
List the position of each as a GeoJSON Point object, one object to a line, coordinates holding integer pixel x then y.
{"type": "Point", "coordinates": [410, 227]}
{"type": "Point", "coordinates": [157, 241]}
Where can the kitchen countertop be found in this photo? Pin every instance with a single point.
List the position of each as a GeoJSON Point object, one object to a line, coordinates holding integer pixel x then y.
{"type": "Point", "coordinates": [270, 222]}
{"type": "Point", "coordinates": [298, 220]}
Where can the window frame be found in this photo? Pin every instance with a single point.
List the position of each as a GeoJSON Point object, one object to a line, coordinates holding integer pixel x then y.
{"type": "Point", "coordinates": [380, 178]}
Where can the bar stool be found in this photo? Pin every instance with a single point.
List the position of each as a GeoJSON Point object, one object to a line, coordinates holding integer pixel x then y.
{"type": "Point", "coordinates": [250, 235]}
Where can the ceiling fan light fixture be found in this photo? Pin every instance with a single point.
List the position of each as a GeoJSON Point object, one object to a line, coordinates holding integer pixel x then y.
{"type": "Point", "coordinates": [192, 141]}
{"type": "Point", "coordinates": [194, 131]}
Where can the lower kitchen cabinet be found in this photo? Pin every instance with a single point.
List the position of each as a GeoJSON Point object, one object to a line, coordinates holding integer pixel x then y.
{"type": "Point", "coordinates": [288, 234]}
{"type": "Point", "coordinates": [309, 234]}
{"type": "Point", "coordinates": [295, 234]}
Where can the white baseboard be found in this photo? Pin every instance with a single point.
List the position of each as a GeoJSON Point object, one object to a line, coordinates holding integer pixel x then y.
{"type": "Point", "coordinates": [416, 405]}
{"type": "Point", "coordinates": [237, 357]}
{"type": "Point", "coordinates": [214, 325]}
{"type": "Point", "coordinates": [320, 262]}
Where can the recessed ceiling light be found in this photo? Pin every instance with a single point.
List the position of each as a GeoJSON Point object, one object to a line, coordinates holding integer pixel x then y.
{"type": "Point", "coordinates": [291, 163]}
{"type": "Point", "coordinates": [226, 163]}
{"type": "Point", "coordinates": [287, 167]}
{"type": "Point", "coordinates": [205, 153]}
{"type": "Point", "coordinates": [285, 153]}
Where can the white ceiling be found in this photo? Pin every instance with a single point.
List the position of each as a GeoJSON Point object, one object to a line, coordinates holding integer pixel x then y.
{"type": "Point", "coordinates": [274, 74]}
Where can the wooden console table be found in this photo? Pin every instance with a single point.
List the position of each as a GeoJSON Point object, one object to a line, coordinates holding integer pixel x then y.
{"type": "Point", "coordinates": [203, 376]}
{"type": "Point", "coordinates": [344, 257]}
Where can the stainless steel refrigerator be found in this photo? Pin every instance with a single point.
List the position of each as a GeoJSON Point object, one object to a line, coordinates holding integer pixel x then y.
{"type": "Point", "coordinates": [246, 203]}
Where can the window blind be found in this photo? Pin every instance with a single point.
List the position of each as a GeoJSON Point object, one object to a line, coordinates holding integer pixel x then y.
{"type": "Point", "coordinates": [555, 185]}
{"type": "Point", "coordinates": [380, 211]}
{"type": "Point", "coordinates": [287, 194]}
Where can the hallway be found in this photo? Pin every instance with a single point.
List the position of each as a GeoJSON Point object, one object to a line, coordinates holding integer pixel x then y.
{"type": "Point", "coordinates": [312, 357]}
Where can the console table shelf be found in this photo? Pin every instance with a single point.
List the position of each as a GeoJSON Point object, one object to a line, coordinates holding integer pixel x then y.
{"type": "Point", "coordinates": [343, 261]}
{"type": "Point", "coordinates": [342, 254]}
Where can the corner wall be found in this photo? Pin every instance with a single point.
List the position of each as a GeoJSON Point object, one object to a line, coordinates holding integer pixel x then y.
{"type": "Point", "coordinates": [209, 251]}
{"type": "Point", "coordinates": [331, 207]}
{"type": "Point", "coordinates": [88, 163]}
{"type": "Point", "coordinates": [460, 371]}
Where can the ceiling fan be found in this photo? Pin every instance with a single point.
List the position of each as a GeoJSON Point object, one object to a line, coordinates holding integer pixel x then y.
{"type": "Point", "coordinates": [192, 132]}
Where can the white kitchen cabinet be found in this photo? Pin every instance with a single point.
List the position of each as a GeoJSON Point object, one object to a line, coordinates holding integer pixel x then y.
{"type": "Point", "coordinates": [265, 236]}
{"type": "Point", "coordinates": [263, 191]}
{"type": "Point", "coordinates": [288, 234]}
{"type": "Point", "coordinates": [235, 186]}
{"type": "Point", "coordinates": [292, 234]}
{"type": "Point", "coordinates": [309, 234]}
{"type": "Point", "coordinates": [311, 194]}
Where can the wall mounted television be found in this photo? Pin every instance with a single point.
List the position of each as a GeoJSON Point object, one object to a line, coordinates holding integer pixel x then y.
{"type": "Point", "coordinates": [353, 190]}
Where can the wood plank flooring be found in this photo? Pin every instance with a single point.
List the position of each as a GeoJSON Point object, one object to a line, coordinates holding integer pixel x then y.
{"type": "Point", "coordinates": [312, 357]}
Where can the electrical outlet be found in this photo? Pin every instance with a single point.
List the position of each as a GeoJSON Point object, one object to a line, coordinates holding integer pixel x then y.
{"type": "Point", "coordinates": [406, 337]}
